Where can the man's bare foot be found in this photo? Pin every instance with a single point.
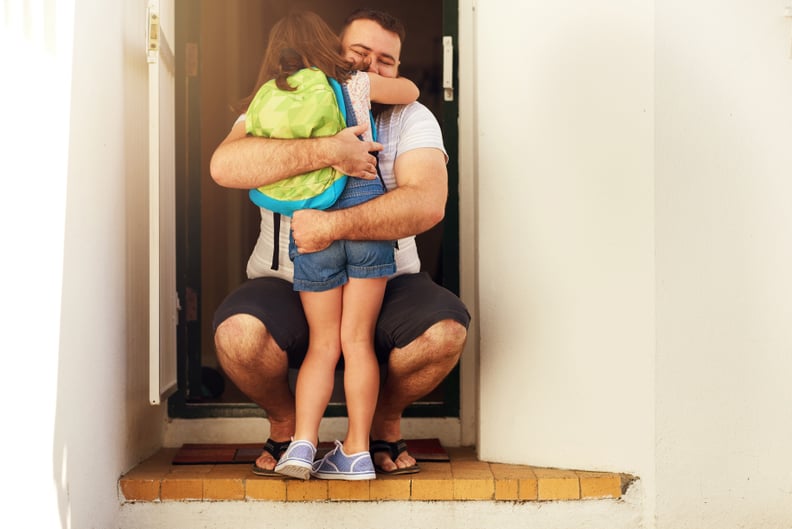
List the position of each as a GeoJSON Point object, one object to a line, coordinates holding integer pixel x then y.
{"type": "Point", "coordinates": [280, 436]}
{"type": "Point", "coordinates": [383, 460]}
{"type": "Point", "coordinates": [393, 456]}
{"type": "Point", "coordinates": [266, 462]}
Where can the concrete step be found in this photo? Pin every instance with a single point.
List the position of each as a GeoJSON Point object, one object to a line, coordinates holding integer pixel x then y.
{"type": "Point", "coordinates": [461, 493]}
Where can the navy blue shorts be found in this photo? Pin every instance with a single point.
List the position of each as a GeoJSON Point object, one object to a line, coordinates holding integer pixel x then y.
{"type": "Point", "coordinates": [412, 304]}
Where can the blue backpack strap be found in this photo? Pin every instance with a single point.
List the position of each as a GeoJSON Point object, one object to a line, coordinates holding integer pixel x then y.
{"type": "Point", "coordinates": [373, 126]}
{"type": "Point", "coordinates": [339, 90]}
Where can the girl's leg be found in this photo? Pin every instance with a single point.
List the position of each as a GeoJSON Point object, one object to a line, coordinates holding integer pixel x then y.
{"type": "Point", "coordinates": [317, 373]}
{"type": "Point", "coordinates": [361, 307]}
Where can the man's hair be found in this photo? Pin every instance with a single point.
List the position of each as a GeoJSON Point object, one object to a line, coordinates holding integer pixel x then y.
{"type": "Point", "coordinates": [386, 20]}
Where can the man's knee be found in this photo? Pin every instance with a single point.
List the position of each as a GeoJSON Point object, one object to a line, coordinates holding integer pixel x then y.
{"type": "Point", "coordinates": [240, 338]}
{"type": "Point", "coordinates": [445, 339]}
{"type": "Point", "coordinates": [454, 336]}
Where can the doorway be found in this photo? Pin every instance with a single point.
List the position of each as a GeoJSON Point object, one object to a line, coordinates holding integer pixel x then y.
{"type": "Point", "coordinates": [219, 45]}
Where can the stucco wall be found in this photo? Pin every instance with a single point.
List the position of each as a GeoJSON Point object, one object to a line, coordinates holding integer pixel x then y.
{"type": "Point", "coordinates": [565, 248]}
{"type": "Point", "coordinates": [724, 264]}
{"type": "Point", "coordinates": [74, 272]}
{"type": "Point", "coordinates": [32, 232]}
{"type": "Point", "coordinates": [635, 292]}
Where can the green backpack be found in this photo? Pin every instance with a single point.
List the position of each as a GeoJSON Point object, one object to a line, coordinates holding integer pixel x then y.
{"type": "Point", "coordinates": [314, 109]}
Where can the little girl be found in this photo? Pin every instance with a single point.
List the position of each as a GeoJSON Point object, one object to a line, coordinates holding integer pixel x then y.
{"type": "Point", "coordinates": [341, 287]}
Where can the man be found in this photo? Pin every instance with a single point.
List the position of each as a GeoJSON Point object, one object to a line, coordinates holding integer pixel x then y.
{"type": "Point", "coordinates": [260, 330]}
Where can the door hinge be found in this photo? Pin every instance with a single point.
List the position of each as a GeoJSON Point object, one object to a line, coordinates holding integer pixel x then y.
{"type": "Point", "coordinates": [191, 59]}
{"type": "Point", "coordinates": [152, 34]}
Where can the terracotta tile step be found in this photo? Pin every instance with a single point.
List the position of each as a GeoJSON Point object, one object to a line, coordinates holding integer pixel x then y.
{"type": "Point", "coordinates": [464, 478]}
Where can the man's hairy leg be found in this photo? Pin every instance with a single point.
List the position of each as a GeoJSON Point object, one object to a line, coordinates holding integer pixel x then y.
{"type": "Point", "coordinates": [413, 372]}
{"type": "Point", "coordinates": [251, 358]}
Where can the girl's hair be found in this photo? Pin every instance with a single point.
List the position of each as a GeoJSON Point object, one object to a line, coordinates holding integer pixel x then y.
{"type": "Point", "coordinates": [300, 40]}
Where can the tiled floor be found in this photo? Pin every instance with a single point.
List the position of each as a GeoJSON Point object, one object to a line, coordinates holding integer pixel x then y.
{"type": "Point", "coordinates": [463, 478]}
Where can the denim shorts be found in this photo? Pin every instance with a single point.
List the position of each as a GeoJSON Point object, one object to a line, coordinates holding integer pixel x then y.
{"type": "Point", "coordinates": [333, 266]}
{"type": "Point", "coordinates": [357, 191]}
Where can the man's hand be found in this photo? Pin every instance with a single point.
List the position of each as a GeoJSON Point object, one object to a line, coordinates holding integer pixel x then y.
{"type": "Point", "coordinates": [354, 156]}
{"type": "Point", "coordinates": [312, 229]}
{"type": "Point", "coordinates": [246, 162]}
{"type": "Point", "coordinates": [414, 206]}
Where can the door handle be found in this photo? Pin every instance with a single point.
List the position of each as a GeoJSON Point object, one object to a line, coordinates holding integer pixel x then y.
{"type": "Point", "coordinates": [448, 68]}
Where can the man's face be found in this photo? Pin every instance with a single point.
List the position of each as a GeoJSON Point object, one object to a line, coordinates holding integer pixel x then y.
{"type": "Point", "coordinates": [365, 39]}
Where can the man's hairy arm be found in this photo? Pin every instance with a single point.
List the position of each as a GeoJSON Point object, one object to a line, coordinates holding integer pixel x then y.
{"type": "Point", "coordinates": [416, 205]}
{"type": "Point", "coordinates": [247, 162]}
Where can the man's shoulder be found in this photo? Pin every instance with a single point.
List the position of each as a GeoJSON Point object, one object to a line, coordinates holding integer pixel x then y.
{"type": "Point", "coordinates": [402, 117]}
{"type": "Point", "coordinates": [399, 111]}
{"type": "Point", "coordinates": [407, 127]}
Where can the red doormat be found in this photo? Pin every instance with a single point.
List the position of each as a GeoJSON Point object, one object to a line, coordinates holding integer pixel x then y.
{"type": "Point", "coordinates": [210, 454]}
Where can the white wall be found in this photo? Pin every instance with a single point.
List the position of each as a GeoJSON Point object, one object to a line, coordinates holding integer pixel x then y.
{"type": "Point", "coordinates": [32, 209]}
{"type": "Point", "coordinates": [565, 176]}
{"type": "Point", "coordinates": [724, 264]}
{"type": "Point", "coordinates": [75, 239]}
{"type": "Point", "coordinates": [645, 147]}
{"type": "Point", "coordinates": [635, 248]}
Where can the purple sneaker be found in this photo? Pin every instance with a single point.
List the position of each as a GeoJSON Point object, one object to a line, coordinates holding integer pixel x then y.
{"type": "Point", "coordinates": [338, 465]}
{"type": "Point", "coordinates": [297, 460]}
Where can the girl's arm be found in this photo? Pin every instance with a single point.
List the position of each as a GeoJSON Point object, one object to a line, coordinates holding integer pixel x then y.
{"type": "Point", "coordinates": [392, 91]}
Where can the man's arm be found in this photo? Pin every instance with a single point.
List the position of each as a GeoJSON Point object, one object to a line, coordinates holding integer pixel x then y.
{"type": "Point", "coordinates": [247, 162]}
{"type": "Point", "coordinates": [417, 204]}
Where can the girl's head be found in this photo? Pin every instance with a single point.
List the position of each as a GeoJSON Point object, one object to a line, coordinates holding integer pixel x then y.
{"type": "Point", "coordinates": [299, 40]}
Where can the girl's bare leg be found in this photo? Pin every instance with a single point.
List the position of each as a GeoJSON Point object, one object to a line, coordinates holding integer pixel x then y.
{"type": "Point", "coordinates": [317, 374]}
{"type": "Point", "coordinates": [362, 300]}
